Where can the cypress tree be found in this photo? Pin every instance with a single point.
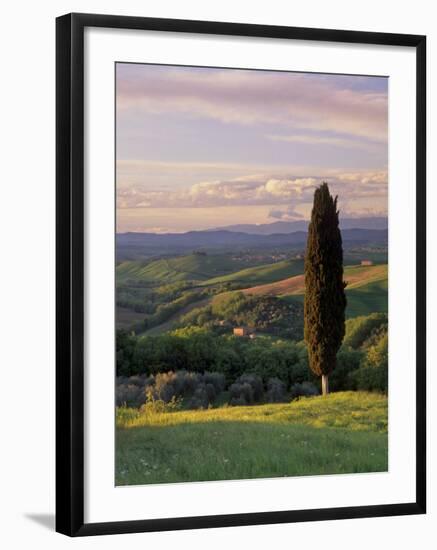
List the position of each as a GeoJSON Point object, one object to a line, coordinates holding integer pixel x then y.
{"type": "Point", "coordinates": [325, 299]}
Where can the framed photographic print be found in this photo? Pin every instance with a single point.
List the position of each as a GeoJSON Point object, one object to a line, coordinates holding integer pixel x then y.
{"type": "Point", "coordinates": [240, 274]}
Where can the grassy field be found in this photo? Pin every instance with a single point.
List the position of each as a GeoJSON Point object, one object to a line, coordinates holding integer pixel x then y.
{"type": "Point", "coordinates": [367, 290]}
{"type": "Point", "coordinates": [355, 276]}
{"type": "Point", "coordinates": [257, 275]}
{"type": "Point", "coordinates": [370, 298]}
{"type": "Point", "coordinates": [180, 268]}
{"type": "Point", "coordinates": [363, 299]}
{"type": "Point", "coordinates": [342, 433]}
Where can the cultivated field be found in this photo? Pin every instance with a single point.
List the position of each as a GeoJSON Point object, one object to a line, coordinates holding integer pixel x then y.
{"type": "Point", "coordinates": [355, 276]}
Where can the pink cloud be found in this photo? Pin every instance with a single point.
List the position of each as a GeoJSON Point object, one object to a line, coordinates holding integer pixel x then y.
{"type": "Point", "coordinates": [257, 189]}
{"type": "Point", "coordinates": [250, 97]}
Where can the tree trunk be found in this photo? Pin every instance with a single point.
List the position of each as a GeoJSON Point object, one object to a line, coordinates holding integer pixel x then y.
{"type": "Point", "coordinates": [325, 384]}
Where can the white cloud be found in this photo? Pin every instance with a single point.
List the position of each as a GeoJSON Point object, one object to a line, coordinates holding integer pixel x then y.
{"type": "Point", "coordinates": [287, 188]}
{"type": "Point", "coordinates": [289, 214]}
{"type": "Point", "coordinates": [257, 189]}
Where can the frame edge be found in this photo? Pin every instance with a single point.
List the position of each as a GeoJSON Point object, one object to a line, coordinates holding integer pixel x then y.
{"type": "Point", "coordinates": [421, 274]}
{"type": "Point", "coordinates": [69, 276]}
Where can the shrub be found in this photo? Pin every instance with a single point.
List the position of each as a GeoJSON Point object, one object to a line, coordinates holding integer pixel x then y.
{"type": "Point", "coordinates": [305, 389]}
{"type": "Point", "coordinates": [129, 395]}
{"type": "Point", "coordinates": [276, 391]}
{"type": "Point", "coordinates": [361, 329]}
{"type": "Point", "coordinates": [196, 390]}
{"type": "Point", "coordinates": [201, 398]}
{"type": "Point", "coordinates": [175, 384]}
{"type": "Point", "coordinates": [216, 379]}
{"type": "Point", "coordinates": [246, 390]}
{"type": "Point", "coordinates": [373, 374]}
{"type": "Point", "coordinates": [154, 406]}
{"type": "Point", "coordinates": [238, 401]}
{"type": "Point", "coordinates": [125, 347]}
{"type": "Point", "coordinates": [141, 380]}
{"type": "Point", "coordinates": [348, 361]}
{"type": "Point", "coordinates": [368, 378]}
{"type": "Point", "coordinates": [241, 394]}
{"type": "Point", "coordinates": [210, 386]}
{"type": "Point", "coordinates": [130, 391]}
{"type": "Point", "coordinates": [377, 355]}
{"type": "Point", "coordinates": [255, 382]}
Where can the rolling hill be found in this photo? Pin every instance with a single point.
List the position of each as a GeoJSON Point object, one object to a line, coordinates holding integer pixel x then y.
{"type": "Point", "coordinates": [368, 298]}
{"type": "Point", "coordinates": [195, 267]}
{"type": "Point", "coordinates": [267, 273]}
{"type": "Point", "coordinates": [363, 300]}
{"type": "Point", "coordinates": [367, 290]}
{"type": "Point", "coordinates": [356, 276]}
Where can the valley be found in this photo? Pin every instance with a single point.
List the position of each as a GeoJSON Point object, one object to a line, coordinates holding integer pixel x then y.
{"type": "Point", "coordinates": [156, 294]}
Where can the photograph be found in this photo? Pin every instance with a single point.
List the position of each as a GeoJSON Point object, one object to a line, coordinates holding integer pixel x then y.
{"type": "Point", "coordinates": [219, 217]}
{"type": "Point", "coordinates": [251, 274]}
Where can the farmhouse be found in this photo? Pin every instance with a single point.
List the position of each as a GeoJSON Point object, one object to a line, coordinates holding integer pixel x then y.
{"type": "Point", "coordinates": [366, 262]}
{"type": "Point", "coordinates": [244, 331]}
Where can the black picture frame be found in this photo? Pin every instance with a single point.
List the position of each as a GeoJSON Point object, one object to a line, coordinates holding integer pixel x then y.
{"type": "Point", "coordinates": [70, 273]}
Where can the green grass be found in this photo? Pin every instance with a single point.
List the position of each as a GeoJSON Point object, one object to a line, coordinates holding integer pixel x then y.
{"type": "Point", "coordinates": [364, 275]}
{"type": "Point", "coordinates": [342, 433]}
{"type": "Point", "coordinates": [366, 299]}
{"type": "Point", "coordinates": [369, 295]}
{"type": "Point", "coordinates": [267, 273]}
{"type": "Point", "coordinates": [181, 268]}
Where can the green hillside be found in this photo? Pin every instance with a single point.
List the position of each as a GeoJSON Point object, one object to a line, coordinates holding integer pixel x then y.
{"type": "Point", "coordinates": [361, 300]}
{"type": "Point", "coordinates": [304, 437]}
{"type": "Point", "coordinates": [267, 273]}
{"type": "Point", "coordinates": [195, 267]}
{"type": "Point", "coordinates": [355, 276]}
{"type": "Point", "coordinates": [358, 276]}
{"type": "Point", "coordinates": [366, 289]}
{"type": "Point", "coordinates": [366, 299]}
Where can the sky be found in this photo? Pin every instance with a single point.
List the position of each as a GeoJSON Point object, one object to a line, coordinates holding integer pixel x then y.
{"type": "Point", "coordinates": [198, 148]}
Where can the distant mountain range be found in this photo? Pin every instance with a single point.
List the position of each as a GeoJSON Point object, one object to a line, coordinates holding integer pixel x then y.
{"type": "Point", "coordinates": [302, 225]}
{"type": "Point", "coordinates": [226, 238]}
